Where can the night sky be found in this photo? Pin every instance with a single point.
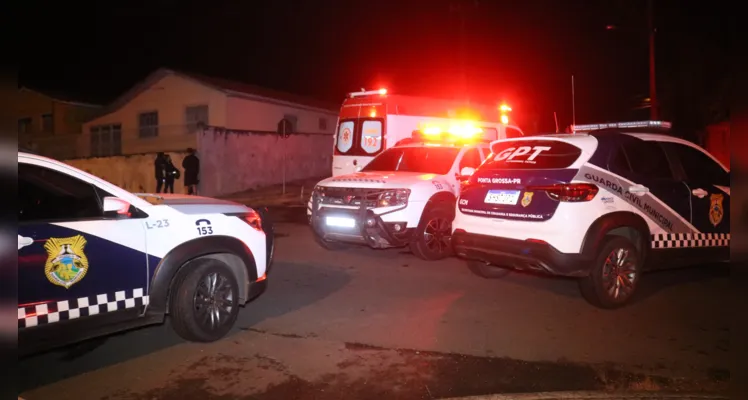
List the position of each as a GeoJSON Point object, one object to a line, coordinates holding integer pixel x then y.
{"type": "Point", "coordinates": [521, 52]}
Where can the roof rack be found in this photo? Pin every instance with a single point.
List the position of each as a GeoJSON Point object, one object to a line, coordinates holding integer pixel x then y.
{"type": "Point", "coordinates": [657, 125]}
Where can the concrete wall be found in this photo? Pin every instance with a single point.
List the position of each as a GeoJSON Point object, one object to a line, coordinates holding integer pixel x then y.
{"type": "Point", "coordinates": [254, 115]}
{"type": "Point", "coordinates": [134, 173]}
{"type": "Point", "coordinates": [170, 97]}
{"type": "Point", "coordinates": [233, 162]}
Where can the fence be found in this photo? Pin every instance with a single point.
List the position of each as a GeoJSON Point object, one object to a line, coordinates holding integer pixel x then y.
{"type": "Point", "coordinates": [111, 140]}
{"type": "Point", "coordinates": [230, 161]}
{"type": "Point", "coordinates": [234, 161]}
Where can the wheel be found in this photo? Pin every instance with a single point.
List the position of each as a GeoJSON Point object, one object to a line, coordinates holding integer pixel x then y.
{"type": "Point", "coordinates": [432, 240]}
{"type": "Point", "coordinates": [486, 270]}
{"type": "Point", "coordinates": [614, 275]}
{"type": "Point", "coordinates": [204, 303]}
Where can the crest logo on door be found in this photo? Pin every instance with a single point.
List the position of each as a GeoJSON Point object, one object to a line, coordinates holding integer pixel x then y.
{"type": "Point", "coordinates": [716, 211]}
{"type": "Point", "coordinates": [66, 263]}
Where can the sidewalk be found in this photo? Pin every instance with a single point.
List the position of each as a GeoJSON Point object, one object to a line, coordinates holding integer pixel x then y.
{"type": "Point", "coordinates": [596, 395]}
{"type": "Point", "coordinates": [296, 193]}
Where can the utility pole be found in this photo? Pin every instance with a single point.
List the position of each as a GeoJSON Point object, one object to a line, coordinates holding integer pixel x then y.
{"type": "Point", "coordinates": [653, 105]}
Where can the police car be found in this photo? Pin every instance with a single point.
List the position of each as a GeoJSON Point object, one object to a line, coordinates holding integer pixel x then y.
{"type": "Point", "coordinates": [602, 206]}
{"type": "Point", "coordinates": [94, 259]}
{"type": "Point", "coordinates": [405, 196]}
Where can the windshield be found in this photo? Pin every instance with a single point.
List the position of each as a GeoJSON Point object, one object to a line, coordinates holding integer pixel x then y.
{"type": "Point", "coordinates": [427, 160]}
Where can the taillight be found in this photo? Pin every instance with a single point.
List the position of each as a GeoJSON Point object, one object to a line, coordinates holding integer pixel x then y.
{"type": "Point", "coordinates": [253, 219]}
{"type": "Point", "coordinates": [569, 192]}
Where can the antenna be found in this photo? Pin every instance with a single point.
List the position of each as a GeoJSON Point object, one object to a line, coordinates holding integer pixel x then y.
{"type": "Point", "coordinates": [573, 106]}
{"type": "Point", "coordinates": [555, 118]}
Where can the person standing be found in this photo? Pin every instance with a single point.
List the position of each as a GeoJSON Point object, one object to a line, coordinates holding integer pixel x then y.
{"type": "Point", "coordinates": [191, 165]}
{"type": "Point", "coordinates": [160, 166]}
{"type": "Point", "coordinates": [172, 173]}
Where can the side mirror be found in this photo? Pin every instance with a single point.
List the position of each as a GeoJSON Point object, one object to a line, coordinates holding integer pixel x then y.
{"type": "Point", "coordinates": [114, 206]}
{"type": "Point", "coordinates": [467, 171]}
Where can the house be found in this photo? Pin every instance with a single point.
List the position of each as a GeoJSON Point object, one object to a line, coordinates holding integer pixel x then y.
{"type": "Point", "coordinates": [164, 113]}
{"type": "Point", "coordinates": [50, 124]}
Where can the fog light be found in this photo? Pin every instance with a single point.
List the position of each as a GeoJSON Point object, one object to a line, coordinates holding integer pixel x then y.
{"type": "Point", "coordinates": [370, 222]}
{"type": "Point", "coordinates": [398, 227]}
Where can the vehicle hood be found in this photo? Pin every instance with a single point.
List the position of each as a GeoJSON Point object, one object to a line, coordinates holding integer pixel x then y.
{"type": "Point", "coordinates": [193, 204]}
{"type": "Point", "coordinates": [378, 180]}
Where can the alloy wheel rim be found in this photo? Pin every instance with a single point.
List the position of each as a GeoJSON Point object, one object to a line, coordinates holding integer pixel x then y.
{"type": "Point", "coordinates": [214, 300]}
{"type": "Point", "coordinates": [619, 274]}
{"type": "Point", "coordinates": [438, 234]}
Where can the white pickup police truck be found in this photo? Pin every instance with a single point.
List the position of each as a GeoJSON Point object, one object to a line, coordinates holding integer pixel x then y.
{"type": "Point", "coordinates": [94, 259]}
{"type": "Point", "coordinates": [404, 197]}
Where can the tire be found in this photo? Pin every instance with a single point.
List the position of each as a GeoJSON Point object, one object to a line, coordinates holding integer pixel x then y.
{"type": "Point", "coordinates": [486, 270]}
{"type": "Point", "coordinates": [599, 287]}
{"type": "Point", "coordinates": [432, 240]}
{"type": "Point", "coordinates": [189, 315]}
{"type": "Point", "coordinates": [329, 244]}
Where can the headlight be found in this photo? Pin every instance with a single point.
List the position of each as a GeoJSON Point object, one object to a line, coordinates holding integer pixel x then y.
{"type": "Point", "coordinates": [253, 219]}
{"type": "Point", "coordinates": [396, 197]}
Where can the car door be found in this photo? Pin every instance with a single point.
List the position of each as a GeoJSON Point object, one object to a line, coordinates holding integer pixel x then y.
{"type": "Point", "coordinates": [78, 269]}
{"type": "Point", "coordinates": [649, 185]}
{"type": "Point", "coordinates": [709, 186]}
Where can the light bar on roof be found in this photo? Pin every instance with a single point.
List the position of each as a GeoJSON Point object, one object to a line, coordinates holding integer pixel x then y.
{"type": "Point", "coordinates": [622, 125]}
{"type": "Point", "coordinates": [380, 92]}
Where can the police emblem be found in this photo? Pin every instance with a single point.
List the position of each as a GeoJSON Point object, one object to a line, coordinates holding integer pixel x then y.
{"type": "Point", "coordinates": [66, 263]}
{"type": "Point", "coordinates": [716, 212]}
{"type": "Point", "coordinates": [527, 199]}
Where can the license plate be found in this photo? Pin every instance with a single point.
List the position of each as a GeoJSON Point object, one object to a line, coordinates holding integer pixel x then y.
{"type": "Point", "coordinates": [340, 222]}
{"type": "Point", "coordinates": [503, 197]}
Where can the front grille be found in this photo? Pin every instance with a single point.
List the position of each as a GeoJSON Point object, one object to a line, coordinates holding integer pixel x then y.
{"type": "Point", "coordinates": [348, 196]}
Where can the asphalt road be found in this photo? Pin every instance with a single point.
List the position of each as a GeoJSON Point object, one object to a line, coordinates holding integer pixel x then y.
{"type": "Point", "coordinates": [361, 323]}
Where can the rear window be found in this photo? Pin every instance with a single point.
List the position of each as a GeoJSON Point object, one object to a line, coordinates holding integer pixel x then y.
{"type": "Point", "coordinates": [345, 136]}
{"type": "Point", "coordinates": [532, 154]}
{"type": "Point", "coordinates": [360, 137]}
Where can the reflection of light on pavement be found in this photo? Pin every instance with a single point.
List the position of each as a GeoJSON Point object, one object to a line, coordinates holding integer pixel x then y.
{"type": "Point", "coordinates": [425, 318]}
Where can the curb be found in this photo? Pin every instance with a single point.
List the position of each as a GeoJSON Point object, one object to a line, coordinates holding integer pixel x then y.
{"type": "Point", "coordinates": [594, 396]}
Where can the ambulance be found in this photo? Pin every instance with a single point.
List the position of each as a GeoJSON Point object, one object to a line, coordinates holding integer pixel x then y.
{"type": "Point", "coordinates": [373, 121]}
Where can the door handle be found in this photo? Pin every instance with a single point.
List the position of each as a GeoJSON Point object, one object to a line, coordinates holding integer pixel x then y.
{"type": "Point", "coordinates": [639, 190]}
{"type": "Point", "coordinates": [24, 241]}
{"type": "Point", "coordinates": [700, 193]}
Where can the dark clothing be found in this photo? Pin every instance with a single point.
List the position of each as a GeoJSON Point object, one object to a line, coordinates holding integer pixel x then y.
{"type": "Point", "coordinates": [191, 165]}
{"type": "Point", "coordinates": [171, 174]}
{"type": "Point", "coordinates": [160, 165]}
{"type": "Point", "coordinates": [169, 185]}
{"type": "Point", "coordinates": [160, 171]}
{"type": "Point", "coordinates": [166, 173]}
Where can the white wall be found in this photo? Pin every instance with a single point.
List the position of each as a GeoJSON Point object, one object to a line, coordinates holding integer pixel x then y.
{"type": "Point", "coordinates": [231, 162]}
{"type": "Point", "coordinates": [247, 114]}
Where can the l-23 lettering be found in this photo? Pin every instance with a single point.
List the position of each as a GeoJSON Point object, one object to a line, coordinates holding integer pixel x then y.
{"type": "Point", "coordinates": [160, 223]}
